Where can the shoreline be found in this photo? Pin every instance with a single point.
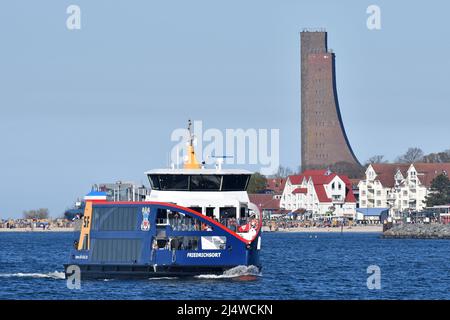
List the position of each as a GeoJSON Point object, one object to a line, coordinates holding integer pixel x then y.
{"type": "Point", "coordinates": [418, 231]}
{"type": "Point", "coordinates": [359, 229]}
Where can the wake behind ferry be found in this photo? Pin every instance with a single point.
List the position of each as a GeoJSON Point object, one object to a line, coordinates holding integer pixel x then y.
{"type": "Point", "coordinates": [195, 221]}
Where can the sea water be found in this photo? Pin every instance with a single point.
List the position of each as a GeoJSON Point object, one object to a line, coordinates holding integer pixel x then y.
{"type": "Point", "coordinates": [295, 266]}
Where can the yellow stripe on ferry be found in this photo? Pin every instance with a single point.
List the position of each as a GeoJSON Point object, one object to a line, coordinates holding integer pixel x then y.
{"type": "Point", "coordinates": [83, 243]}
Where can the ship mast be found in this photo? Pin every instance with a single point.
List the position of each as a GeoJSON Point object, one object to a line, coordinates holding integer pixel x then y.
{"type": "Point", "coordinates": [191, 162]}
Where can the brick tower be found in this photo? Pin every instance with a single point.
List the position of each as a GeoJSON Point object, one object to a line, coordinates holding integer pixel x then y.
{"type": "Point", "coordinates": [323, 138]}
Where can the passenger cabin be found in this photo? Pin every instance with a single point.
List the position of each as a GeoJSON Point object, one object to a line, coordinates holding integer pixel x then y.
{"type": "Point", "coordinates": [216, 193]}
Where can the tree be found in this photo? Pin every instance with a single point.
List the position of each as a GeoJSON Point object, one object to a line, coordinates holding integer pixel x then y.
{"type": "Point", "coordinates": [439, 157]}
{"type": "Point", "coordinates": [283, 172]}
{"type": "Point", "coordinates": [376, 159]}
{"type": "Point", "coordinates": [257, 183]}
{"type": "Point", "coordinates": [38, 214]}
{"type": "Point", "coordinates": [411, 155]}
{"type": "Point", "coordinates": [351, 170]}
{"type": "Point", "coordinates": [440, 191]}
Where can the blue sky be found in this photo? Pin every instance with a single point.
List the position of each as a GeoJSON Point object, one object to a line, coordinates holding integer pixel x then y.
{"type": "Point", "coordinates": [99, 104]}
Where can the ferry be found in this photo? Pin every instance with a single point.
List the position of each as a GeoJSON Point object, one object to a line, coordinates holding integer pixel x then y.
{"type": "Point", "coordinates": [194, 221]}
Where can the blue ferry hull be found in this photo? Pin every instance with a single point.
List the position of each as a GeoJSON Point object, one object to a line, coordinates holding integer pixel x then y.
{"type": "Point", "coordinates": [137, 250]}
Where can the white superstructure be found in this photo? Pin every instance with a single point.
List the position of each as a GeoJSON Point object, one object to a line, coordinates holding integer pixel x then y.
{"type": "Point", "coordinates": [212, 192]}
{"type": "Point", "coordinates": [218, 193]}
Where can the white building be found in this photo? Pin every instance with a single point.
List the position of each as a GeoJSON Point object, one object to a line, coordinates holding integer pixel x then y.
{"type": "Point", "coordinates": [400, 187]}
{"type": "Point", "coordinates": [320, 192]}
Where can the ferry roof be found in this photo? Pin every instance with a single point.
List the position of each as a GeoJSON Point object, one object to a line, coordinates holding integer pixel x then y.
{"type": "Point", "coordinates": [199, 171]}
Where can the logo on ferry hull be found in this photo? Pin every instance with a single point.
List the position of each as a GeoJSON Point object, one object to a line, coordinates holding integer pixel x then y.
{"type": "Point", "coordinates": [145, 225]}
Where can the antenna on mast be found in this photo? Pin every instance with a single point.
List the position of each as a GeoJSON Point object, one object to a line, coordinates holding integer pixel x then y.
{"type": "Point", "coordinates": [191, 136]}
{"type": "Point", "coordinates": [191, 162]}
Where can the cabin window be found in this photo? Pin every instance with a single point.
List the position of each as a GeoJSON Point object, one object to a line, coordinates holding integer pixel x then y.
{"type": "Point", "coordinates": [154, 181]}
{"type": "Point", "coordinates": [174, 182]}
{"type": "Point", "coordinates": [196, 209]}
{"type": "Point", "coordinates": [182, 222]}
{"type": "Point", "coordinates": [205, 183]}
{"type": "Point", "coordinates": [227, 212]}
{"type": "Point", "coordinates": [176, 243]}
{"type": "Point", "coordinates": [214, 243]}
{"type": "Point", "coordinates": [115, 218]}
{"type": "Point", "coordinates": [244, 212]}
{"type": "Point", "coordinates": [180, 182]}
{"type": "Point", "coordinates": [228, 217]}
{"type": "Point", "coordinates": [210, 212]}
{"type": "Point", "coordinates": [184, 243]}
{"type": "Point", "coordinates": [161, 217]}
{"type": "Point", "coordinates": [235, 182]}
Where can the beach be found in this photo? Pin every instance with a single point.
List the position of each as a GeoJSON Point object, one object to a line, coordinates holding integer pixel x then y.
{"type": "Point", "coordinates": [355, 229]}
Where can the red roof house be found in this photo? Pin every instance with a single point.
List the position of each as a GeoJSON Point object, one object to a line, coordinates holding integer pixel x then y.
{"type": "Point", "coordinates": [319, 191]}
